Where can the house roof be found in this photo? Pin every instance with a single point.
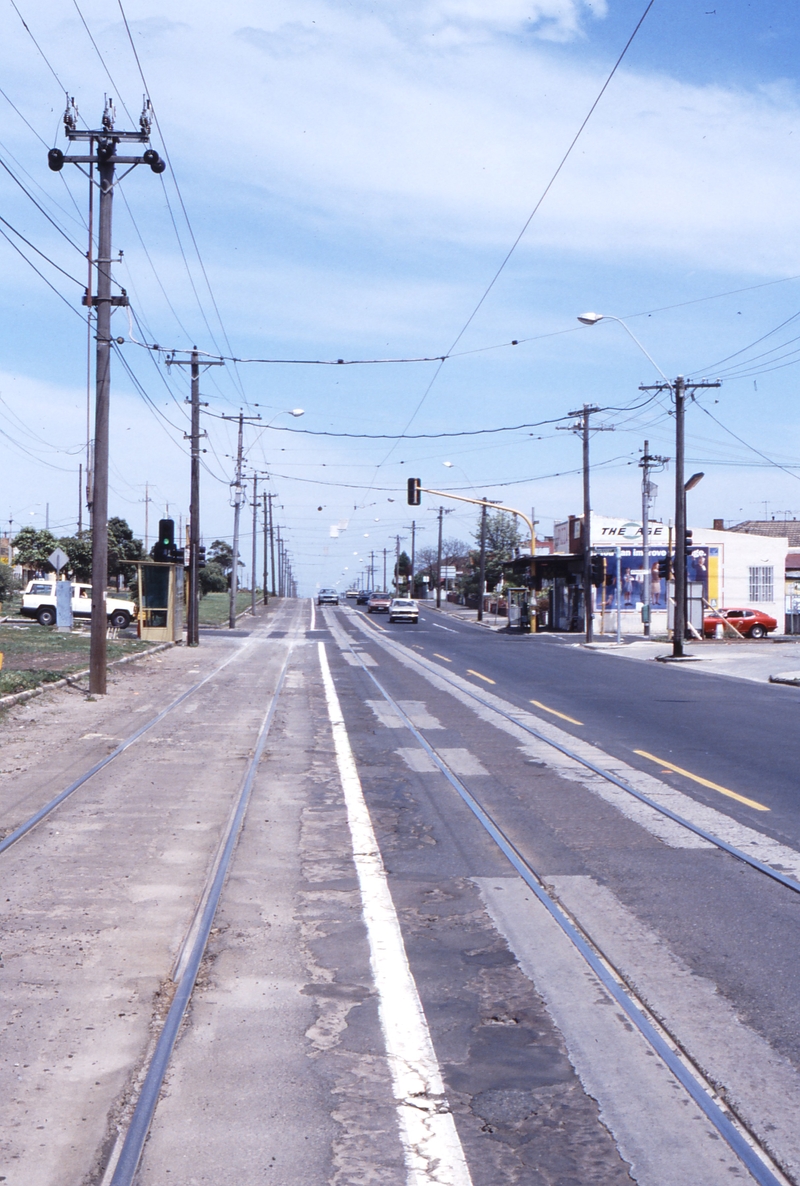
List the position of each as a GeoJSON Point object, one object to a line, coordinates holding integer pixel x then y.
{"type": "Point", "coordinates": [773, 527]}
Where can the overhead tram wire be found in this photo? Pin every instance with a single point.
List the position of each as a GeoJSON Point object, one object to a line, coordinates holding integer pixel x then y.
{"type": "Point", "coordinates": [183, 208]}
{"type": "Point", "coordinates": [535, 210]}
{"type": "Point", "coordinates": [747, 444]}
{"type": "Point", "coordinates": [42, 276]}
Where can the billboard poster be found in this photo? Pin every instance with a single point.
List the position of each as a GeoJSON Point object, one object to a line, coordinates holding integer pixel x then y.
{"type": "Point", "coordinates": [625, 589]}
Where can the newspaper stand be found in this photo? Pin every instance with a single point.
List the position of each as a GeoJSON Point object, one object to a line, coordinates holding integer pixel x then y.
{"type": "Point", "coordinates": [160, 600]}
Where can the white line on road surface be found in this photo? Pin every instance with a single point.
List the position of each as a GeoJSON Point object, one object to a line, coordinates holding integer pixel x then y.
{"type": "Point", "coordinates": [438, 627]}
{"type": "Point", "coordinates": [756, 844]}
{"type": "Point", "coordinates": [431, 1145]}
{"type": "Point", "coordinates": [658, 1129]}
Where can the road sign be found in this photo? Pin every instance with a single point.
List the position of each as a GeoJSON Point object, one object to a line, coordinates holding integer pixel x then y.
{"type": "Point", "coordinates": [448, 572]}
{"type": "Point", "coordinates": [58, 558]}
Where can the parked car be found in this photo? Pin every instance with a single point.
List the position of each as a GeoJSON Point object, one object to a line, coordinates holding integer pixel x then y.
{"type": "Point", "coordinates": [363, 596]}
{"type": "Point", "coordinates": [379, 603]}
{"type": "Point", "coordinates": [39, 601]}
{"type": "Point", "coordinates": [327, 597]}
{"type": "Point", "coordinates": [403, 609]}
{"type": "Point", "coordinates": [753, 623]}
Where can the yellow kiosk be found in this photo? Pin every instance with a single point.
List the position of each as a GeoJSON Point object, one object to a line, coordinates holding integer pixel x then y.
{"type": "Point", "coordinates": [160, 601]}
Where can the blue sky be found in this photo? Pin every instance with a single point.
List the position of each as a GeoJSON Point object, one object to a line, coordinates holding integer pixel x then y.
{"type": "Point", "coordinates": [354, 174]}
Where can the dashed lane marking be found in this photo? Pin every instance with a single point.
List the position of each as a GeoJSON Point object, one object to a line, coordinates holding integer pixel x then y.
{"type": "Point", "coordinates": [479, 676]}
{"type": "Point", "coordinates": [556, 713]}
{"type": "Point", "coordinates": [704, 782]}
{"type": "Point", "coordinates": [444, 658]}
{"type": "Point", "coordinates": [448, 628]}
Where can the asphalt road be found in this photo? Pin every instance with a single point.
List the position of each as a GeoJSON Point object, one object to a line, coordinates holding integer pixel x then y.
{"type": "Point", "coordinates": [739, 735]}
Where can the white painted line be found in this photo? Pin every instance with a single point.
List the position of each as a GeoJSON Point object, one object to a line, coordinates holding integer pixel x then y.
{"type": "Point", "coordinates": [658, 1129]}
{"type": "Point", "coordinates": [385, 714]}
{"type": "Point", "coordinates": [418, 714]}
{"type": "Point", "coordinates": [448, 628]}
{"type": "Point", "coordinates": [431, 1145]}
{"type": "Point", "coordinates": [313, 625]}
{"type": "Point", "coordinates": [417, 760]}
{"type": "Point", "coordinates": [461, 761]}
{"type": "Point", "coordinates": [749, 840]}
{"type": "Point", "coordinates": [353, 659]}
{"type": "Point", "coordinates": [763, 1087]}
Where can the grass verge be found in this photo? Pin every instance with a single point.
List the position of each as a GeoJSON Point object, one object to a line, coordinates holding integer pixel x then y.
{"type": "Point", "coordinates": [35, 655]}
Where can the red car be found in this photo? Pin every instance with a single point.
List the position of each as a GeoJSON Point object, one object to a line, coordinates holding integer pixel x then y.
{"type": "Point", "coordinates": [752, 623]}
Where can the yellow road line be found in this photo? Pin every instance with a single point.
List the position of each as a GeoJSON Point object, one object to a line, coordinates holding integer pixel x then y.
{"type": "Point", "coordinates": [555, 713]}
{"type": "Point", "coordinates": [478, 674]}
{"type": "Point", "coordinates": [438, 656]}
{"type": "Point", "coordinates": [703, 781]}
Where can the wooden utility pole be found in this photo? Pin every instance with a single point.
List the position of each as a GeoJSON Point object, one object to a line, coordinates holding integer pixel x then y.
{"type": "Point", "coordinates": [193, 608]}
{"type": "Point", "coordinates": [102, 144]}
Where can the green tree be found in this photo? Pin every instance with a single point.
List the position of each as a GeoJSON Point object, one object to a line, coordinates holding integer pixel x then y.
{"type": "Point", "coordinates": [123, 549]}
{"type": "Point", "coordinates": [8, 582]}
{"type": "Point", "coordinates": [221, 553]}
{"type": "Point", "coordinates": [79, 550]}
{"type": "Point", "coordinates": [33, 547]}
{"type": "Point", "coordinates": [212, 579]}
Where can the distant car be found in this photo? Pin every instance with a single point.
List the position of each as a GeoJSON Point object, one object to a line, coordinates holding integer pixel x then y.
{"type": "Point", "coordinates": [39, 601]}
{"type": "Point", "coordinates": [363, 596]}
{"type": "Point", "coordinates": [351, 593]}
{"type": "Point", "coordinates": [379, 603]}
{"type": "Point", "coordinates": [753, 623]}
{"type": "Point", "coordinates": [403, 609]}
{"type": "Point", "coordinates": [327, 597]}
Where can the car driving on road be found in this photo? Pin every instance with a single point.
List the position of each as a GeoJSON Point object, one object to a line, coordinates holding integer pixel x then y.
{"type": "Point", "coordinates": [363, 597]}
{"type": "Point", "coordinates": [403, 609]}
{"type": "Point", "coordinates": [327, 597]}
{"type": "Point", "coordinates": [379, 603]}
{"type": "Point", "coordinates": [752, 623]}
{"type": "Point", "coordinates": [39, 601]}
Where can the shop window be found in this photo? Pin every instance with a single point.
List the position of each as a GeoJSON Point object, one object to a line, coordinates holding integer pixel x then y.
{"type": "Point", "coordinates": [761, 584]}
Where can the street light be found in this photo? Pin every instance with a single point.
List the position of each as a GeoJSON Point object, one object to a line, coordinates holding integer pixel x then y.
{"type": "Point", "coordinates": [677, 388]}
{"type": "Point", "coordinates": [593, 318]}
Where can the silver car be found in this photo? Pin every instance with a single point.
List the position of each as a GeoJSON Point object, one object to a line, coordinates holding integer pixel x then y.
{"type": "Point", "coordinates": [403, 609]}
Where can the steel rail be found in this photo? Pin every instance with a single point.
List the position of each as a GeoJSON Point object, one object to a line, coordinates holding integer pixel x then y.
{"type": "Point", "coordinates": [735, 1139]}
{"type": "Point", "coordinates": [43, 812]}
{"type": "Point", "coordinates": [760, 866]}
{"type": "Point", "coordinates": [130, 1155]}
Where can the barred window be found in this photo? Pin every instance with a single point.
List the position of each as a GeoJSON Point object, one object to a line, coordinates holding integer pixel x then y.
{"type": "Point", "coordinates": [761, 584]}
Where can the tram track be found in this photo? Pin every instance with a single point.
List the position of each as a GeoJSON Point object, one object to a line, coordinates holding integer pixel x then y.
{"type": "Point", "coordinates": [22, 829]}
{"type": "Point", "coordinates": [665, 1044]}
{"type": "Point", "coordinates": [126, 1155]}
{"type": "Point", "coordinates": [518, 719]}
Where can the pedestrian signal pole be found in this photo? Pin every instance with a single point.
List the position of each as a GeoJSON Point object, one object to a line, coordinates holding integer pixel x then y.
{"type": "Point", "coordinates": [103, 143]}
{"type": "Point", "coordinates": [648, 461]}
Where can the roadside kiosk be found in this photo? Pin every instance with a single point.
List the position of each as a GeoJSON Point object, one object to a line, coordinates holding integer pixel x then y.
{"type": "Point", "coordinates": [161, 589]}
{"type": "Point", "coordinates": [519, 610]}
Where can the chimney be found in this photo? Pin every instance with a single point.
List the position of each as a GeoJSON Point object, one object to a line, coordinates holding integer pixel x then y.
{"type": "Point", "coordinates": [719, 524]}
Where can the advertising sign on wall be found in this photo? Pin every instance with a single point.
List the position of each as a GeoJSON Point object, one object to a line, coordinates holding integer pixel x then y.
{"type": "Point", "coordinates": [625, 589]}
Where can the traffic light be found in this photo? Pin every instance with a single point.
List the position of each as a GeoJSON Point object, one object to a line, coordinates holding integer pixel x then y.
{"type": "Point", "coordinates": [688, 543]}
{"type": "Point", "coordinates": [663, 569]}
{"type": "Point", "coordinates": [598, 570]}
{"type": "Point", "coordinates": [201, 556]}
{"type": "Point", "coordinates": [164, 548]}
{"type": "Point", "coordinates": [414, 496]}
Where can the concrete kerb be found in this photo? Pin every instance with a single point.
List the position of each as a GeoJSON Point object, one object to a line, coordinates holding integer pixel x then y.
{"type": "Point", "coordinates": [21, 697]}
